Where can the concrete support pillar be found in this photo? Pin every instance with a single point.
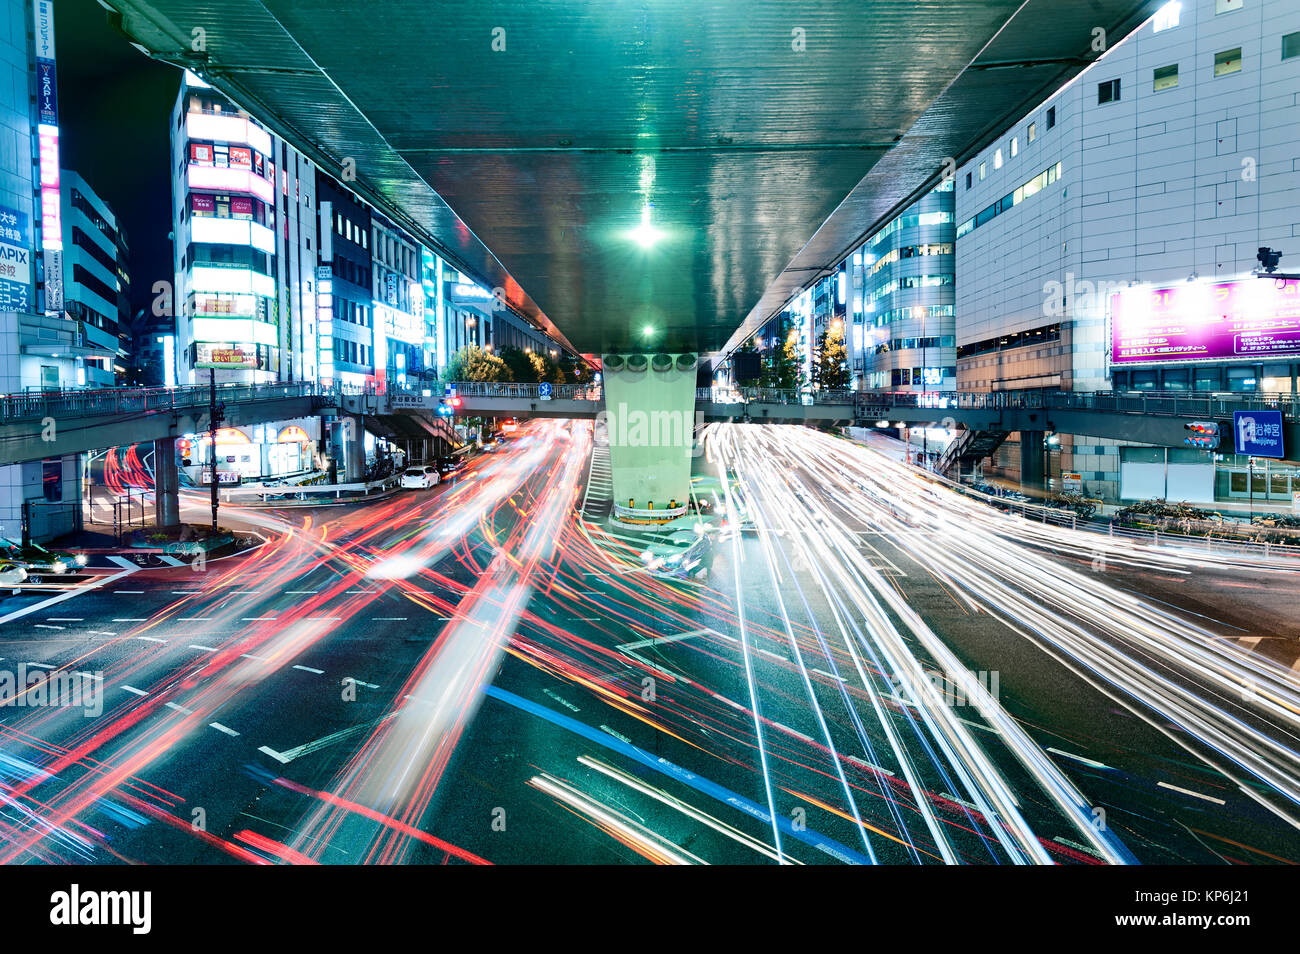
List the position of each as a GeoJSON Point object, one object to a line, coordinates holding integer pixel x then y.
{"type": "Point", "coordinates": [1033, 452]}
{"type": "Point", "coordinates": [650, 422]}
{"type": "Point", "coordinates": [354, 443]}
{"type": "Point", "coordinates": [166, 484]}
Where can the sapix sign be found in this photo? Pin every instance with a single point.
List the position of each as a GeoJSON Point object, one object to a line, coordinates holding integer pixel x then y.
{"type": "Point", "coordinates": [1258, 433]}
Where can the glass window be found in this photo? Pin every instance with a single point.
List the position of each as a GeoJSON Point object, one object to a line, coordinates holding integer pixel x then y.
{"type": "Point", "coordinates": [1207, 379]}
{"type": "Point", "coordinates": [1175, 379]}
{"type": "Point", "coordinates": [1229, 61]}
{"type": "Point", "coordinates": [1165, 77]}
{"type": "Point", "coordinates": [983, 170]}
{"type": "Point", "coordinates": [1015, 146]}
{"type": "Point", "coordinates": [1278, 484]}
{"type": "Point", "coordinates": [1238, 482]}
{"type": "Point", "coordinates": [968, 178]}
{"type": "Point", "coordinates": [1226, 6]}
{"type": "Point", "coordinates": [997, 159]}
{"type": "Point", "coordinates": [1108, 92]}
{"type": "Point", "coordinates": [1051, 116]}
{"type": "Point", "coordinates": [1290, 45]}
{"type": "Point", "coordinates": [1143, 381]}
{"type": "Point", "coordinates": [1032, 133]}
{"type": "Point", "coordinates": [1242, 379]}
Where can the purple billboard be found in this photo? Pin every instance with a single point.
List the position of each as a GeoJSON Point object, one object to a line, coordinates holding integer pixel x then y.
{"type": "Point", "coordinates": [1198, 321]}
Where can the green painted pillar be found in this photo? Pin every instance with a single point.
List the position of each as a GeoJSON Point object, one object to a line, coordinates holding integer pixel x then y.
{"type": "Point", "coordinates": [650, 421]}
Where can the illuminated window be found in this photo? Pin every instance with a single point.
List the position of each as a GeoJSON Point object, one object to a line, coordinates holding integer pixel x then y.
{"type": "Point", "coordinates": [983, 170]}
{"type": "Point", "coordinates": [1229, 61]}
{"type": "Point", "coordinates": [1032, 132]}
{"type": "Point", "coordinates": [1165, 77]}
{"type": "Point", "coordinates": [1015, 146]}
{"type": "Point", "coordinates": [1166, 17]}
{"type": "Point", "coordinates": [997, 159]}
{"type": "Point", "coordinates": [1226, 6]}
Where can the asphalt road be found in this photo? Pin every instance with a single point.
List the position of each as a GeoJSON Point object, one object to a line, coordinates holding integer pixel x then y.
{"type": "Point", "coordinates": [472, 674]}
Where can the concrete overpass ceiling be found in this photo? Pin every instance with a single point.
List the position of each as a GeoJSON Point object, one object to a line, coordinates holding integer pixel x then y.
{"type": "Point", "coordinates": [749, 143]}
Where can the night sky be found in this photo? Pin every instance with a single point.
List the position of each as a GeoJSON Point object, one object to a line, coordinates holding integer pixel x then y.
{"type": "Point", "coordinates": [114, 110]}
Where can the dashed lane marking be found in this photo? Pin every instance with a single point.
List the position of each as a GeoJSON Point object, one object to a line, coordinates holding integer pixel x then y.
{"type": "Point", "coordinates": [202, 649]}
{"type": "Point", "coordinates": [151, 639]}
{"type": "Point", "coordinates": [223, 728]}
{"type": "Point", "coordinates": [1187, 791]}
{"type": "Point", "coordinates": [133, 689]}
{"type": "Point", "coordinates": [319, 672]}
{"type": "Point", "coordinates": [179, 708]}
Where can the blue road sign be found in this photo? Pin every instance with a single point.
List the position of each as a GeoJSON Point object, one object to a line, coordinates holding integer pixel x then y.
{"type": "Point", "coordinates": [1258, 433]}
{"type": "Point", "coordinates": [544, 389]}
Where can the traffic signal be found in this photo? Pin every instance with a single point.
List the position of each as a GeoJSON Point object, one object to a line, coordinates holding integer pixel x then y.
{"type": "Point", "coordinates": [444, 409]}
{"type": "Point", "coordinates": [1268, 258]}
{"type": "Point", "coordinates": [1203, 434]}
{"type": "Point", "coordinates": [455, 402]}
{"type": "Point", "coordinates": [219, 413]}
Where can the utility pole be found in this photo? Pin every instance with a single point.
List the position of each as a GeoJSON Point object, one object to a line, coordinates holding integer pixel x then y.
{"type": "Point", "coordinates": [213, 422]}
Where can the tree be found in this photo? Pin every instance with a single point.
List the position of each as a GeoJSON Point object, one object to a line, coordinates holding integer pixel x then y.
{"type": "Point", "coordinates": [748, 348]}
{"type": "Point", "coordinates": [783, 371]}
{"type": "Point", "coordinates": [520, 364]}
{"type": "Point", "coordinates": [475, 364]}
{"type": "Point", "coordinates": [830, 360]}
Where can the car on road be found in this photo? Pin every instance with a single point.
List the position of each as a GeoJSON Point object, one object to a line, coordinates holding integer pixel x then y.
{"type": "Point", "coordinates": [420, 477]}
{"type": "Point", "coordinates": [450, 465]}
{"type": "Point", "coordinates": [11, 574]}
{"type": "Point", "coordinates": [681, 553]}
{"type": "Point", "coordinates": [38, 561]}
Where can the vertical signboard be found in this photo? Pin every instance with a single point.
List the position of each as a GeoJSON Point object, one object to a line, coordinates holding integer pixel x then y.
{"type": "Point", "coordinates": [15, 261]}
{"type": "Point", "coordinates": [47, 132]}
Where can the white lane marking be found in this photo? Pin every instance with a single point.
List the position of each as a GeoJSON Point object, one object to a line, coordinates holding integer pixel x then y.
{"type": "Point", "coordinates": [101, 632]}
{"type": "Point", "coordinates": [1078, 758]}
{"type": "Point", "coordinates": [66, 619]}
{"type": "Point", "coordinates": [40, 665]}
{"type": "Point", "coordinates": [300, 592]}
{"type": "Point", "coordinates": [44, 626]}
{"type": "Point", "coordinates": [128, 619]}
{"type": "Point", "coordinates": [127, 592]}
{"type": "Point", "coordinates": [203, 649]}
{"type": "Point", "coordinates": [181, 709]}
{"type": "Point", "coordinates": [256, 619]}
{"type": "Point", "coordinates": [185, 592]}
{"type": "Point", "coordinates": [283, 760]}
{"type": "Point", "coordinates": [193, 619]}
{"type": "Point", "coordinates": [828, 675]}
{"type": "Point", "coordinates": [642, 643]}
{"type": "Point", "coordinates": [319, 672]}
{"type": "Point", "coordinates": [1187, 791]}
{"type": "Point", "coordinates": [223, 728]}
{"type": "Point", "coordinates": [388, 619]}
{"type": "Point", "coordinates": [123, 562]}
{"type": "Point", "coordinates": [152, 639]}
{"type": "Point", "coordinates": [138, 692]}
{"type": "Point", "coordinates": [368, 685]}
{"type": "Point", "coordinates": [66, 595]}
{"type": "Point", "coordinates": [170, 560]}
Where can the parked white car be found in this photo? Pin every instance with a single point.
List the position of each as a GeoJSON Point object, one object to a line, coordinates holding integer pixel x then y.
{"type": "Point", "coordinates": [420, 477]}
{"type": "Point", "coordinates": [11, 574]}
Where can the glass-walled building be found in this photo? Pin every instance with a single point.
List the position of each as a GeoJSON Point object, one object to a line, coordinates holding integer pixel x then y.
{"type": "Point", "coordinates": [901, 293]}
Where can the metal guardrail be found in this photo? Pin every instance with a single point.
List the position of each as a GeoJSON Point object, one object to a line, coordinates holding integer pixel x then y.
{"type": "Point", "coordinates": [123, 401]}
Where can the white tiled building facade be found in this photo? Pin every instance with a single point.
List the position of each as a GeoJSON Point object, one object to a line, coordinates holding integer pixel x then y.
{"type": "Point", "coordinates": [1172, 158]}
